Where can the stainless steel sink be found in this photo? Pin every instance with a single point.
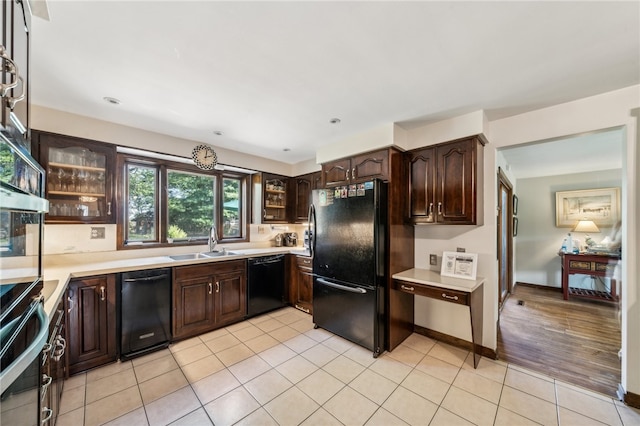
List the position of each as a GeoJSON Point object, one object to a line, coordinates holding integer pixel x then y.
{"type": "Point", "coordinates": [189, 256]}
{"type": "Point", "coordinates": [203, 255]}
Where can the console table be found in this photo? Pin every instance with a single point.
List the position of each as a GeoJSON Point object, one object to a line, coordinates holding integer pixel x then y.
{"type": "Point", "coordinates": [427, 283]}
{"type": "Point", "coordinates": [600, 265]}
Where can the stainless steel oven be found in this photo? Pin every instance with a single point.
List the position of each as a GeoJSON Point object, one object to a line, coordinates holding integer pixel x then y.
{"type": "Point", "coordinates": [24, 324]}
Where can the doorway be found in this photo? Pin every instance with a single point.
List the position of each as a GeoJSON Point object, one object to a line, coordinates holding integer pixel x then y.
{"type": "Point", "coordinates": [535, 171]}
{"type": "Point", "coordinates": [506, 223]}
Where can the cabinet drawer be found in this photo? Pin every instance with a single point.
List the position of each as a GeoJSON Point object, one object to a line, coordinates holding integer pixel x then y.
{"type": "Point", "coordinates": [304, 262]}
{"type": "Point", "coordinates": [452, 296]}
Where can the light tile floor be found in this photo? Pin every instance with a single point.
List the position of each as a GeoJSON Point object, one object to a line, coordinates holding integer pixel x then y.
{"type": "Point", "coordinates": [277, 369]}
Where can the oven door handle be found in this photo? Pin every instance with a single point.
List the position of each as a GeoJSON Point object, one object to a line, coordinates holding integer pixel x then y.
{"type": "Point", "coordinates": [13, 370]}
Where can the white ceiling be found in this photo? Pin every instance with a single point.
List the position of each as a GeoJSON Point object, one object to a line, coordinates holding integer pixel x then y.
{"type": "Point", "coordinates": [575, 154]}
{"type": "Point", "coordinates": [270, 75]}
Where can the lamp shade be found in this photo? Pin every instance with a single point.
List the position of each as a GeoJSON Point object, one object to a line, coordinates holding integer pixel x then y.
{"type": "Point", "coordinates": [586, 226]}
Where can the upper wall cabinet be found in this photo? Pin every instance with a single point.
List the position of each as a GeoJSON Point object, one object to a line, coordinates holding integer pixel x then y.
{"type": "Point", "coordinates": [446, 181]}
{"type": "Point", "coordinates": [14, 71]}
{"type": "Point", "coordinates": [274, 198]}
{"type": "Point", "coordinates": [301, 188]}
{"type": "Point", "coordinates": [79, 183]}
{"type": "Point", "coordinates": [360, 168]}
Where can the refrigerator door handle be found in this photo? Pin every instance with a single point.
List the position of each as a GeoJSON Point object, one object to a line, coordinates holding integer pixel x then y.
{"type": "Point", "coordinates": [311, 220]}
{"type": "Point", "coordinates": [342, 287]}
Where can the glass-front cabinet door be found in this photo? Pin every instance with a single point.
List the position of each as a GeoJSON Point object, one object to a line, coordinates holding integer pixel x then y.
{"type": "Point", "coordinates": [79, 177]}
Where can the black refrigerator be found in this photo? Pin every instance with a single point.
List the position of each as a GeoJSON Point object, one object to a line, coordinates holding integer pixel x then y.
{"type": "Point", "coordinates": [349, 265]}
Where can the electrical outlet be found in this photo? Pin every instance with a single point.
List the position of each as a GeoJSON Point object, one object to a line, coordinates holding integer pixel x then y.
{"type": "Point", "coordinates": [97, 233]}
{"type": "Point", "coordinates": [262, 229]}
{"type": "Point", "coordinates": [461, 249]}
{"type": "Point", "coordinates": [433, 259]}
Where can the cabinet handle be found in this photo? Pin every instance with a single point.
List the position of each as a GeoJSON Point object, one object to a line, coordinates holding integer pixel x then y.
{"type": "Point", "coordinates": [109, 208]}
{"type": "Point", "coordinates": [210, 288]}
{"type": "Point", "coordinates": [12, 101]}
{"type": "Point", "coordinates": [306, 261]}
{"type": "Point", "coordinates": [440, 208]}
{"type": "Point", "coordinates": [102, 293]}
{"type": "Point", "coordinates": [11, 68]}
{"type": "Point", "coordinates": [46, 381]}
{"type": "Point", "coordinates": [353, 173]}
{"type": "Point", "coordinates": [47, 417]}
{"type": "Point", "coordinates": [404, 287]}
{"type": "Point", "coordinates": [70, 300]}
{"type": "Point", "coordinates": [430, 212]}
{"type": "Point", "coordinates": [47, 348]}
{"type": "Point", "coordinates": [446, 296]}
{"type": "Point", "coordinates": [217, 287]}
{"type": "Point", "coordinates": [346, 175]}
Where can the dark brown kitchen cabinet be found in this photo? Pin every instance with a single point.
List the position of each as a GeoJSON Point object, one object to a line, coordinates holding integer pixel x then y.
{"type": "Point", "coordinates": [301, 283]}
{"type": "Point", "coordinates": [302, 186]}
{"type": "Point", "coordinates": [80, 178]}
{"type": "Point", "coordinates": [91, 320]}
{"type": "Point", "coordinates": [208, 296]}
{"type": "Point", "coordinates": [275, 198]}
{"type": "Point", "coordinates": [15, 25]}
{"type": "Point", "coordinates": [445, 183]}
{"type": "Point", "coordinates": [360, 168]}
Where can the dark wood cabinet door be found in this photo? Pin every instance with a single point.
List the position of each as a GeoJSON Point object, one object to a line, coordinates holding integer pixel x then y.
{"type": "Point", "coordinates": [336, 173]}
{"type": "Point", "coordinates": [276, 202]}
{"type": "Point", "coordinates": [91, 319]}
{"type": "Point", "coordinates": [193, 305]}
{"type": "Point", "coordinates": [303, 284]}
{"type": "Point", "coordinates": [230, 296]}
{"type": "Point", "coordinates": [303, 187]}
{"type": "Point", "coordinates": [316, 180]}
{"type": "Point", "coordinates": [80, 178]}
{"type": "Point", "coordinates": [371, 165]}
{"type": "Point", "coordinates": [455, 190]}
{"type": "Point", "coordinates": [422, 184]}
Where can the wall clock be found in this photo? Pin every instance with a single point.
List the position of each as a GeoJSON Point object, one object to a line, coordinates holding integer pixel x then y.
{"type": "Point", "coordinates": [204, 157]}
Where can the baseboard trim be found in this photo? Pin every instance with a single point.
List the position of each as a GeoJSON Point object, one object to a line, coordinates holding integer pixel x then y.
{"type": "Point", "coordinates": [629, 398]}
{"type": "Point", "coordinates": [454, 341]}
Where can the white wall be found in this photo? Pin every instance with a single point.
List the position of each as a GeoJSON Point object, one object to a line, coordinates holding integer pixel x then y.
{"type": "Point", "coordinates": [538, 240]}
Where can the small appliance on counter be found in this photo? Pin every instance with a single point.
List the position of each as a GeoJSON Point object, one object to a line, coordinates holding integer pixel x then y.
{"type": "Point", "coordinates": [290, 239]}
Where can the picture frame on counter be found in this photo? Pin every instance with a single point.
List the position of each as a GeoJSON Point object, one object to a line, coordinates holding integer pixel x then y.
{"type": "Point", "coordinates": [459, 265]}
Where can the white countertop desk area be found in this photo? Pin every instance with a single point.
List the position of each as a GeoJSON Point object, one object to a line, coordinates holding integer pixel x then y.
{"type": "Point", "coordinates": [428, 283]}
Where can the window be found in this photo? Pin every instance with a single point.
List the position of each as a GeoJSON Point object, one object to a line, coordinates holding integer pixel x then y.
{"type": "Point", "coordinates": [174, 203]}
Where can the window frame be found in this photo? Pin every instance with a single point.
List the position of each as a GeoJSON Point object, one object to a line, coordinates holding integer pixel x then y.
{"type": "Point", "coordinates": [161, 221]}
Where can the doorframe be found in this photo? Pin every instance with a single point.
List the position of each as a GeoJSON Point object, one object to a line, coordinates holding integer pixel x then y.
{"type": "Point", "coordinates": [503, 180]}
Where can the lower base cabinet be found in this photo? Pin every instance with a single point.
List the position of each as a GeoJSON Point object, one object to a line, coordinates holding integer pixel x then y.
{"type": "Point", "coordinates": [301, 284]}
{"type": "Point", "coordinates": [208, 296]}
{"type": "Point", "coordinates": [91, 322]}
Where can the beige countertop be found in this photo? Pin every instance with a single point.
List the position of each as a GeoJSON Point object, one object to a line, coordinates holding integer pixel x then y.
{"type": "Point", "coordinates": [433, 278]}
{"type": "Point", "coordinates": [57, 274]}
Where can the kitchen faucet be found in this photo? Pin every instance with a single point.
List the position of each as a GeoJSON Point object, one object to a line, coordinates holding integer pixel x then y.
{"type": "Point", "coordinates": [213, 238]}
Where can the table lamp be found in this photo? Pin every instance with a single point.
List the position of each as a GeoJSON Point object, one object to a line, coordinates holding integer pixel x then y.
{"type": "Point", "coordinates": [586, 226]}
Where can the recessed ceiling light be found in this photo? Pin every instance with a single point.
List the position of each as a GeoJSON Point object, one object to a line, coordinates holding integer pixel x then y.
{"type": "Point", "coordinates": [334, 121]}
{"type": "Point", "coordinates": [217, 133]}
{"type": "Point", "coordinates": [112, 101]}
{"type": "Point", "coordinates": [286, 149]}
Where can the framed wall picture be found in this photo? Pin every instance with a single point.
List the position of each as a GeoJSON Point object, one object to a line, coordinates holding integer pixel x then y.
{"type": "Point", "coordinates": [600, 205]}
{"type": "Point", "coordinates": [459, 265]}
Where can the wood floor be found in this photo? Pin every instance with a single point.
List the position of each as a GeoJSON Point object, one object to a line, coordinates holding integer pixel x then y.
{"type": "Point", "coordinates": [575, 340]}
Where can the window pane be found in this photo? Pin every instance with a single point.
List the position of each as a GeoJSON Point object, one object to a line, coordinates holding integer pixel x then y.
{"type": "Point", "coordinates": [191, 206]}
{"type": "Point", "coordinates": [141, 206]}
{"type": "Point", "coordinates": [231, 208]}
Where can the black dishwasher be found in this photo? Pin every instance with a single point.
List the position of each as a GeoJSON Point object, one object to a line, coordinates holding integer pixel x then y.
{"type": "Point", "coordinates": [265, 290]}
{"type": "Point", "coordinates": [145, 312]}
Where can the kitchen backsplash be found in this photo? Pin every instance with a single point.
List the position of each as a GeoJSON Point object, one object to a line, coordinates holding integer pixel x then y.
{"type": "Point", "coordinates": [67, 239]}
